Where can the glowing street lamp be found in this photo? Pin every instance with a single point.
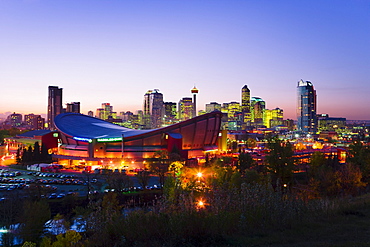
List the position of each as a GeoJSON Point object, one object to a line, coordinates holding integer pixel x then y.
{"type": "Point", "coordinates": [199, 176]}
{"type": "Point", "coordinates": [200, 204]}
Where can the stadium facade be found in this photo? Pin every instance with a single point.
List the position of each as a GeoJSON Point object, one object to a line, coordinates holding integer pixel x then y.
{"type": "Point", "coordinates": [96, 141]}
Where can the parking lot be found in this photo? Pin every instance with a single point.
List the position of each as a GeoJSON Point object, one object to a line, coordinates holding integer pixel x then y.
{"type": "Point", "coordinates": [21, 183]}
{"type": "Point", "coordinates": [49, 185]}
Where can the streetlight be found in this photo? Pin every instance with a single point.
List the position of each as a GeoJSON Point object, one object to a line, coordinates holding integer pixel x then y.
{"type": "Point", "coordinates": [200, 204]}
{"type": "Point", "coordinates": [199, 175]}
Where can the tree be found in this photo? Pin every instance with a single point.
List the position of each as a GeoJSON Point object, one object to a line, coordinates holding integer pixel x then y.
{"type": "Point", "coordinates": [225, 177]}
{"type": "Point", "coordinates": [359, 155]}
{"type": "Point", "coordinates": [45, 156]}
{"type": "Point", "coordinates": [68, 239]}
{"type": "Point", "coordinates": [119, 181]}
{"type": "Point", "coordinates": [14, 132]}
{"type": "Point", "coordinates": [251, 143]}
{"type": "Point", "coordinates": [104, 222]}
{"type": "Point", "coordinates": [32, 221]}
{"type": "Point", "coordinates": [18, 157]}
{"type": "Point", "coordinates": [159, 164]}
{"type": "Point", "coordinates": [170, 189]}
{"type": "Point", "coordinates": [280, 161]}
{"type": "Point", "coordinates": [252, 177]}
{"type": "Point", "coordinates": [176, 168]}
{"type": "Point", "coordinates": [223, 161]}
{"type": "Point", "coordinates": [143, 178]}
{"type": "Point", "coordinates": [159, 168]}
{"type": "Point", "coordinates": [9, 214]}
{"type": "Point", "coordinates": [207, 163]}
{"type": "Point", "coordinates": [36, 154]}
{"type": "Point", "coordinates": [351, 179]}
{"type": "Point", "coordinates": [317, 161]}
{"type": "Point", "coordinates": [245, 161]}
{"type": "Point", "coordinates": [28, 244]}
{"type": "Point", "coordinates": [27, 155]}
{"type": "Point", "coordinates": [3, 134]}
{"type": "Point", "coordinates": [328, 177]}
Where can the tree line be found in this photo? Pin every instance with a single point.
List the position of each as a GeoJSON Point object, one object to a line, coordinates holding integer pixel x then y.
{"type": "Point", "coordinates": [32, 155]}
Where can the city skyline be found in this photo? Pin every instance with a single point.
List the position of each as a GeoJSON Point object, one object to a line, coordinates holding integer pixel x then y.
{"type": "Point", "coordinates": [99, 52]}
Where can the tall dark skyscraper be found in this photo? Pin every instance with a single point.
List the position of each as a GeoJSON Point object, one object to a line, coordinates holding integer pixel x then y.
{"type": "Point", "coordinates": [246, 106]}
{"type": "Point", "coordinates": [55, 106]}
{"type": "Point", "coordinates": [306, 109]}
{"type": "Point", "coordinates": [153, 109]}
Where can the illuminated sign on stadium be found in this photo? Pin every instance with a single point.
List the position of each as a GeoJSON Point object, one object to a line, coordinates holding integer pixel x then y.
{"type": "Point", "coordinates": [111, 139]}
{"type": "Point", "coordinates": [82, 139]}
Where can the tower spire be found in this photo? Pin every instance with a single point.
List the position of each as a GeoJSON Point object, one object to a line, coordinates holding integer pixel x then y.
{"type": "Point", "coordinates": [194, 91]}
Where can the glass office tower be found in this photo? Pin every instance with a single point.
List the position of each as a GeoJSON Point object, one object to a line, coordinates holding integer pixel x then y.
{"type": "Point", "coordinates": [246, 106]}
{"type": "Point", "coordinates": [306, 109]}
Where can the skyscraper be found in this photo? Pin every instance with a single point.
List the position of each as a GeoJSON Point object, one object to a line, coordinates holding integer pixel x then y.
{"type": "Point", "coordinates": [234, 116]}
{"type": "Point", "coordinates": [73, 107]}
{"type": "Point", "coordinates": [306, 109]}
{"type": "Point", "coordinates": [185, 108]}
{"type": "Point", "coordinates": [272, 116]}
{"type": "Point", "coordinates": [233, 109]}
{"type": "Point", "coordinates": [105, 111]}
{"type": "Point", "coordinates": [35, 122]}
{"type": "Point", "coordinates": [153, 109]}
{"type": "Point", "coordinates": [170, 113]}
{"type": "Point", "coordinates": [55, 106]}
{"type": "Point", "coordinates": [213, 106]}
{"type": "Point", "coordinates": [258, 106]}
{"type": "Point", "coordinates": [246, 106]}
{"type": "Point", "coordinates": [14, 120]}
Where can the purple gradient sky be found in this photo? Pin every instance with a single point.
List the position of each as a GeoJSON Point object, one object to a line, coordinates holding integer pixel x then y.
{"type": "Point", "coordinates": [114, 51]}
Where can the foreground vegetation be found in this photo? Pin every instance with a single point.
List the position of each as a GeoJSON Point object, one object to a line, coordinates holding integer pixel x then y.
{"type": "Point", "coordinates": [255, 216]}
{"type": "Point", "coordinates": [222, 204]}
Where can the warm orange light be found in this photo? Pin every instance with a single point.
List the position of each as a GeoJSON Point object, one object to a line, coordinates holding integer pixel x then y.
{"type": "Point", "coordinates": [199, 174]}
{"type": "Point", "coordinates": [201, 204]}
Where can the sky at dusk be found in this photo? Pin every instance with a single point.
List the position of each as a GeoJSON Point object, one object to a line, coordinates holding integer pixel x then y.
{"type": "Point", "coordinates": [114, 51]}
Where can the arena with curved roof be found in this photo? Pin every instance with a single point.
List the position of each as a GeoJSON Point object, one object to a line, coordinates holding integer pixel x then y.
{"type": "Point", "coordinates": [93, 139]}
